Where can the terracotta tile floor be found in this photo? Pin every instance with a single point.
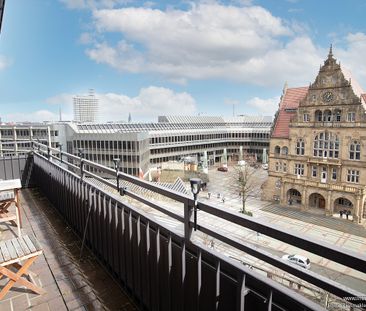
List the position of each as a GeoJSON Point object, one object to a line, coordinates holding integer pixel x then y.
{"type": "Point", "coordinates": [71, 284]}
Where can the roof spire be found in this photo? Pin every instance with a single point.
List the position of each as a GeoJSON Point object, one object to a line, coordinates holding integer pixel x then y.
{"type": "Point", "coordinates": [330, 55]}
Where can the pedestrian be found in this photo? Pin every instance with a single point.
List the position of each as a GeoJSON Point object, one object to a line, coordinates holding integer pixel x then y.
{"type": "Point", "coordinates": [341, 214]}
{"type": "Point", "coordinates": [218, 195]}
{"type": "Point", "coordinates": [348, 213]}
{"type": "Point", "coordinates": [209, 195]}
{"type": "Point", "coordinates": [223, 199]}
{"type": "Point", "coordinates": [212, 244]}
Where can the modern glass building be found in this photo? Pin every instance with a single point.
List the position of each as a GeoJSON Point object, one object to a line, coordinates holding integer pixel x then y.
{"type": "Point", "coordinates": [139, 145]}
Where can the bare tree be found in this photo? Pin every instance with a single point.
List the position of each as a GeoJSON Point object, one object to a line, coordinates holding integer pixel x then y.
{"type": "Point", "coordinates": [247, 183]}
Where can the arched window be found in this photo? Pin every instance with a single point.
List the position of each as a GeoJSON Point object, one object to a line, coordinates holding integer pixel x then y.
{"type": "Point", "coordinates": [277, 150]}
{"type": "Point", "coordinates": [326, 145]}
{"type": "Point", "coordinates": [318, 116]}
{"type": "Point", "coordinates": [277, 166]}
{"type": "Point", "coordinates": [337, 115]}
{"type": "Point", "coordinates": [284, 150]}
{"type": "Point", "coordinates": [327, 116]}
{"type": "Point", "coordinates": [300, 147]}
{"type": "Point", "coordinates": [355, 150]}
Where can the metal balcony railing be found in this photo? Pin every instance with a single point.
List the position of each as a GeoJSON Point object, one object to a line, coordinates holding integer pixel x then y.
{"type": "Point", "coordinates": [168, 270]}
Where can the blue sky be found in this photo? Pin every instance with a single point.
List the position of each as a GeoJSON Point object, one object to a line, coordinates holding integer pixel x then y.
{"type": "Point", "coordinates": [151, 58]}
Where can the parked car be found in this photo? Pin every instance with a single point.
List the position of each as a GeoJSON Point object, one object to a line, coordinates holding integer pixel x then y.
{"type": "Point", "coordinates": [242, 163]}
{"type": "Point", "coordinates": [265, 166]}
{"type": "Point", "coordinates": [222, 169]}
{"type": "Point", "coordinates": [298, 260]}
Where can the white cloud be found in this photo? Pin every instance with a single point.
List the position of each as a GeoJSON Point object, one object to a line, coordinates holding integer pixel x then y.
{"type": "Point", "coordinates": [150, 103]}
{"type": "Point", "coordinates": [86, 38]}
{"type": "Point", "coordinates": [238, 42]}
{"type": "Point", "coordinates": [263, 106]}
{"type": "Point", "coordinates": [4, 62]}
{"type": "Point", "coordinates": [353, 56]}
{"type": "Point", "coordinates": [208, 41]}
{"type": "Point", "coordinates": [147, 105]}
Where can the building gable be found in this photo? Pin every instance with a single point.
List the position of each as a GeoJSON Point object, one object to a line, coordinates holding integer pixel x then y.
{"type": "Point", "coordinates": [333, 86]}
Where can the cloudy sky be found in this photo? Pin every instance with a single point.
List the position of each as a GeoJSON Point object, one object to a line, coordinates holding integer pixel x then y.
{"type": "Point", "coordinates": [151, 58]}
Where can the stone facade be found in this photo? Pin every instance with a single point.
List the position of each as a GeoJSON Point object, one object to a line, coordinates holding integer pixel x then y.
{"type": "Point", "coordinates": [317, 156]}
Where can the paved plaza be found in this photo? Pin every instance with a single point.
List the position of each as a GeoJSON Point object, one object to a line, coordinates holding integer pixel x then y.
{"type": "Point", "coordinates": [341, 232]}
{"type": "Point", "coordinates": [333, 230]}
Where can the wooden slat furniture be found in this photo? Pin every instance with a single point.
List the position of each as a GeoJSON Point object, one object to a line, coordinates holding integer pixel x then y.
{"type": "Point", "coordinates": [11, 253]}
{"type": "Point", "coordinates": [9, 193]}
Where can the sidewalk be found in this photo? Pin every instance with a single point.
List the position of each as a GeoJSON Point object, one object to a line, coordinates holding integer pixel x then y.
{"type": "Point", "coordinates": [344, 225]}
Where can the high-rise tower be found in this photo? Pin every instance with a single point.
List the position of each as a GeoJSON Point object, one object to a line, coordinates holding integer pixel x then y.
{"type": "Point", "coordinates": [86, 107]}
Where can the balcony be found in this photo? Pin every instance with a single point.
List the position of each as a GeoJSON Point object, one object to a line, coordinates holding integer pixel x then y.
{"type": "Point", "coordinates": [159, 268]}
{"type": "Point", "coordinates": [324, 161]}
{"type": "Point", "coordinates": [326, 186]}
{"type": "Point", "coordinates": [321, 124]}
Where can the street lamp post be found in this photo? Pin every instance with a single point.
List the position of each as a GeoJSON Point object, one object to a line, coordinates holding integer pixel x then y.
{"type": "Point", "coordinates": [195, 188]}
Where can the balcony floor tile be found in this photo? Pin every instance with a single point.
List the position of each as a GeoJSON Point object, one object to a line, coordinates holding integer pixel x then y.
{"type": "Point", "coordinates": [71, 284]}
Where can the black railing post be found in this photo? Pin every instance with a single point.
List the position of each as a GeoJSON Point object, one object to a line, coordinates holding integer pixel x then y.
{"type": "Point", "coordinates": [187, 219]}
{"type": "Point", "coordinates": [116, 167]}
{"type": "Point", "coordinates": [60, 146]}
{"type": "Point", "coordinates": [81, 156]}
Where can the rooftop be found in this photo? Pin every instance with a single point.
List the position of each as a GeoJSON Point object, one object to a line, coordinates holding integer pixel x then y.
{"type": "Point", "coordinates": [289, 103]}
{"type": "Point", "coordinates": [179, 123]}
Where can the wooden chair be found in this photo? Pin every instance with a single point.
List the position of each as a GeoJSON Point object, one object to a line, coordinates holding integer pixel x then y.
{"type": "Point", "coordinates": [9, 194]}
{"type": "Point", "coordinates": [12, 252]}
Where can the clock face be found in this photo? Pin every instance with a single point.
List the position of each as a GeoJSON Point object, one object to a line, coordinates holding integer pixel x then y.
{"type": "Point", "coordinates": [328, 96]}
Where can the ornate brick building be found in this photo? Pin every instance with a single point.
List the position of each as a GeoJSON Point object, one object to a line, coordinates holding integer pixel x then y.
{"type": "Point", "coordinates": [317, 156]}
